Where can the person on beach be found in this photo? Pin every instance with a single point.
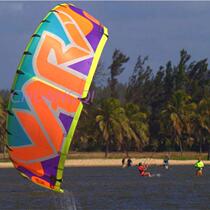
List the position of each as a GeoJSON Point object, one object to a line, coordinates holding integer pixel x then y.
{"type": "Point", "coordinates": [199, 165]}
{"type": "Point", "coordinates": [143, 169]}
{"type": "Point", "coordinates": [123, 163]}
{"type": "Point", "coordinates": [129, 162]}
{"type": "Point", "coordinates": [166, 162]}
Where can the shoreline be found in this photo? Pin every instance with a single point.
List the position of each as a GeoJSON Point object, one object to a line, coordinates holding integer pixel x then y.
{"type": "Point", "coordinates": [114, 162]}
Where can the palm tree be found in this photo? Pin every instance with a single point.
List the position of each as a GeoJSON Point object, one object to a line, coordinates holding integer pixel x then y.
{"type": "Point", "coordinates": [138, 123]}
{"type": "Point", "coordinates": [114, 124]}
{"type": "Point", "coordinates": [180, 112]}
{"type": "Point", "coordinates": [202, 121]}
{"type": "Point", "coordinates": [2, 125]}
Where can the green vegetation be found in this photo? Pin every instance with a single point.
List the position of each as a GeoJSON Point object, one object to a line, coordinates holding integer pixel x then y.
{"type": "Point", "coordinates": [164, 111]}
{"type": "Point", "coordinates": [119, 155]}
{"type": "Point", "coordinates": [3, 103]}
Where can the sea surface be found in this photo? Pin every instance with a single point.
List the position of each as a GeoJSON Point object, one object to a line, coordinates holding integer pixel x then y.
{"type": "Point", "coordinates": [110, 188]}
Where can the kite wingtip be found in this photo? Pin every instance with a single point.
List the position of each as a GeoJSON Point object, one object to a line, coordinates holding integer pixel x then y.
{"type": "Point", "coordinates": [59, 190]}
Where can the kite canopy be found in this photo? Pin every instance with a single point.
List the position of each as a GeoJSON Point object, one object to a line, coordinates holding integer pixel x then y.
{"type": "Point", "coordinates": [55, 72]}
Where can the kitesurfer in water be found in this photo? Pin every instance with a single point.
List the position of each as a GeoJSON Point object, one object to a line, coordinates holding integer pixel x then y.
{"type": "Point", "coordinates": [143, 169]}
{"type": "Point", "coordinates": [199, 165]}
{"type": "Point", "coordinates": [166, 162]}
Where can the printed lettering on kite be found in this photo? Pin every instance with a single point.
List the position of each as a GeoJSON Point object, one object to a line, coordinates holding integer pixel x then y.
{"type": "Point", "coordinates": [55, 72]}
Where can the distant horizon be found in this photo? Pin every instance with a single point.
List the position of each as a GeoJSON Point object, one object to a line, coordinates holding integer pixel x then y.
{"type": "Point", "coordinates": [155, 29]}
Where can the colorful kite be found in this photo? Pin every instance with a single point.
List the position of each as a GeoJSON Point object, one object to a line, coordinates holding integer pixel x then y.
{"type": "Point", "coordinates": [53, 76]}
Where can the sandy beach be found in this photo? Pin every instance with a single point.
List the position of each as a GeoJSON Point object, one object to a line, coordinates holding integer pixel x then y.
{"type": "Point", "coordinates": [113, 162]}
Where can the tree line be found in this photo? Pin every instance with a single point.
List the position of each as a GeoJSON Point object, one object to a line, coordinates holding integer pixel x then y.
{"type": "Point", "coordinates": [165, 109]}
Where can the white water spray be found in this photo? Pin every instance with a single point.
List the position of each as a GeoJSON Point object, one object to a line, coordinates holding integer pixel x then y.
{"type": "Point", "coordinates": [66, 201]}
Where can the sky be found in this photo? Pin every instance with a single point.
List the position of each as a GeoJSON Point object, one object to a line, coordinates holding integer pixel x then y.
{"type": "Point", "coordinates": [155, 29]}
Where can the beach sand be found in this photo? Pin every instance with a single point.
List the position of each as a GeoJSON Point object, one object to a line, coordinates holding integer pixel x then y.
{"type": "Point", "coordinates": [114, 162]}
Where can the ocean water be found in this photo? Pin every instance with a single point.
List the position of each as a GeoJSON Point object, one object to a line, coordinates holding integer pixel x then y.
{"type": "Point", "coordinates": [110, 188]}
